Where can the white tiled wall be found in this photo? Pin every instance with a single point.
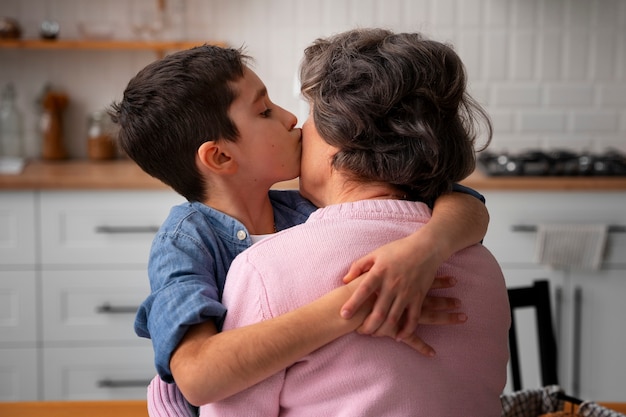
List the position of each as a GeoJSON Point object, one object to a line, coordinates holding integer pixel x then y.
{"type": "Point", "coordinates": [552, 73]}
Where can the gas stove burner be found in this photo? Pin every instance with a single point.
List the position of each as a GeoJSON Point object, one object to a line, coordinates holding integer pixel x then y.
{"type": "Point", "coordinates": [553, 163]}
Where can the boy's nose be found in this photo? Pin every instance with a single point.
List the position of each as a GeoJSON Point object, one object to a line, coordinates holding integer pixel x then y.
{"type": "Point", "coordinates": [291, 119]}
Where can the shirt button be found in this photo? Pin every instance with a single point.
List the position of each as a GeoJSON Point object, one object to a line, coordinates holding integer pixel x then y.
{"type": "Point", "coordinates": [241, 235]}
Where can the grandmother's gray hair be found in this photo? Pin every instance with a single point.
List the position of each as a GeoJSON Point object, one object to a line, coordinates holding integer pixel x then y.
{"type": "Point", "coordinates": [396, 107]}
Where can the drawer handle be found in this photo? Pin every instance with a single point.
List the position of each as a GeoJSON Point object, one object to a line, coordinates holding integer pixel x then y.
{"type": "Point", "coordinates": [123, 383]}
{"type": "Point", "coordinates": [532, 228]}
{"type": "Point", "coordinates": [107, 308]}
{"type": "Point", "coordinates": [126, 229]}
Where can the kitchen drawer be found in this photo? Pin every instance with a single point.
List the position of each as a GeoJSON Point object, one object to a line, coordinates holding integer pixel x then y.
{"type": "Point", "coordinates": [101, 227]}
{"type": "Point", "coordinates": [88, 306]}
{"type": "Point", "coordinates": [18, 374]}
{"type": "Point", "coordinates": [17, 228]}
{"type": "Point", "coordinates": [98, 373]}
{"type": "Point", "coordinates": [510, 209]}
{"type": "Point", "coordinates": [18, 307]}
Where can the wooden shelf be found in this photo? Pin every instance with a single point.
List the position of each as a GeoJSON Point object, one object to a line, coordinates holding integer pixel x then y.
{"type": "Point", "coordinates": [158, 46]}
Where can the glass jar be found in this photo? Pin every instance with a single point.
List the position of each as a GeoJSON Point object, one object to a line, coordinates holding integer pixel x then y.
{"type": "Point", "coordinates": [100, 145]}
{"type": "Point", "coordinates": [11, 130]}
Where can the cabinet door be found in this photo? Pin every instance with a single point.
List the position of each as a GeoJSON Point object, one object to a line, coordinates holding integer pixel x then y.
{"type": "Point", "coordinates": [599, 335]}
{"type": "Point", "coordinates": [97, 373]}
{"type": "Point", "coordinates": [511, 209]}
{"type": "Point", "coordinates": [101, 228]}
{"type": "Point", "coordinates": [18, 374]}
{"type": "Point", "coordinates": [18, 307]}
{"type": "Point", "coordinates": [86, 305]}
{"type": "Point", "coordinates": [17, 228]}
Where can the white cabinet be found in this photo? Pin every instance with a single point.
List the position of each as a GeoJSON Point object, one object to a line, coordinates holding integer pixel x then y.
{"type": "Point", "coordinates": [73, 270]}
{"type": "Point", "coordinates": [17, 228]}
{"type": "Point", "coordinates": [18, 297]}
{"type": "Point", "coordinates": [101, 228]}
{"type": "Point", "coordinates": [19, 379]}
{"type": "Point", "coordinates": [97, 373]}
{"type": "Point", "coordinates": [589, 308]}
{"type": "Point", "coordinates": [597, 368]}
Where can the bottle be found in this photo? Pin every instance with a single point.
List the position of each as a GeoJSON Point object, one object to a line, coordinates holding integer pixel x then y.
{"type": "Point", "coordinates": [100, 145]}
{"type": "Point", "coordinates": [51, 125]}
{"type": "Point", "coordinates": [11, 129]}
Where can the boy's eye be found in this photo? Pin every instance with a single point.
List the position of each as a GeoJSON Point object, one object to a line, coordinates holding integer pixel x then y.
{"type": "Point", "coordinates": [266, 113]}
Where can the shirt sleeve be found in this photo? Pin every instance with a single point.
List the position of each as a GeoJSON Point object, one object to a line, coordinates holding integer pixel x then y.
{"type": "Point", "coordinates": [183, 293]}
{"type": "Point", "coordinates": [467, 190]}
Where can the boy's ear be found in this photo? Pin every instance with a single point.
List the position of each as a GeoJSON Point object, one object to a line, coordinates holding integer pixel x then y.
{"type": "Point", "coordinates": [216, 158]}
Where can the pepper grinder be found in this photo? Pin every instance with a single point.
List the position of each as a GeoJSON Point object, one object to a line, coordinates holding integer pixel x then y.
{"type": "Point", "coordinates": [53, 147]}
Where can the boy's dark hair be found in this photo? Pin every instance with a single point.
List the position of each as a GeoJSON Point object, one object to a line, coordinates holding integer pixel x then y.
{"type": "Point", "coordinates": [396, 107]}
{"type": "Point", "coordinates": [173, 106]}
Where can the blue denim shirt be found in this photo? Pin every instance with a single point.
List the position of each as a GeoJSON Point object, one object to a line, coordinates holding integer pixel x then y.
{"type": "Point", "coordinates": [189, 260]}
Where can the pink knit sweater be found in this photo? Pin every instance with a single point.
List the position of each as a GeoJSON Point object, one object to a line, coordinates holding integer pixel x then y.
{"type": "Point", "coordinates": [360, 375]}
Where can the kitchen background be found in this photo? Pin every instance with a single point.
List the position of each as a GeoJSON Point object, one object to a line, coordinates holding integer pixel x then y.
{"type": "Point", "coordinates": [552, 73]}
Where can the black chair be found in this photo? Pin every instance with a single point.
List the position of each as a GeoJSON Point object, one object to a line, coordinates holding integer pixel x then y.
{"type": "Point", "coordinates": [537, 296]}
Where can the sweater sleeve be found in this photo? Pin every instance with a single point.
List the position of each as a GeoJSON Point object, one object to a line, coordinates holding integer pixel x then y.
{"type": "Point", "coordinates": [244, 282]}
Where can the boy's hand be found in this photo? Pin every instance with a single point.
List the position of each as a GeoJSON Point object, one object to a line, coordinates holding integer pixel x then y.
{"type": "Point", "coordinates": [399, 274]}
{"type": "Point", "coordinates": [435, 310]}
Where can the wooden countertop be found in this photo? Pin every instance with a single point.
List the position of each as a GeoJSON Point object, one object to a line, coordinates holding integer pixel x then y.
{"type": "Point", "coordinates": [120, 174]}
{"type": "Point", "coordinates": [481, 182]}
{"type": "Point", "coordinates": [126, 175]}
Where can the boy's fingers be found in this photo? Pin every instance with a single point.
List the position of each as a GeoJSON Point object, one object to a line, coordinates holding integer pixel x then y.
{"type": "Point", "coordinates": [438, 318]}
{"type": "Point", "coordinates": [443, 282]}
{"type": "Point", "coordinates": [440, 304]}
{"type": "Point", "coordinates": [419, 345]}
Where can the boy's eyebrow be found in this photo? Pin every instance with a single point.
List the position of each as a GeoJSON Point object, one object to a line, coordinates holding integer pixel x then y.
{"type": "Point", "coordinates": [261, 93]}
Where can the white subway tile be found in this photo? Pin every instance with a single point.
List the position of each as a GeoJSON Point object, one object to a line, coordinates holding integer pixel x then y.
{"type": "Point", "coordinates": [551, 55]}
{"type": "Point", "coordinates": [608, 14]}
{"type": "Point", "coordinates": [552, 13]}
{"type": "Point", "coordinates": [502, 121]}
{"type": "Point", "coordinates": [480, 92]}
{"type": "Point", "coordinates": [613, 95]}
{"type": "Point", "coordinates": [579, 14]}
{"type": "Point", "coordinates": [594, 121]}
{"type": "Point", "coordinates": [417, 15]}
{"type": "Point", "coordinates": [604, 62]}
{"type": "Point", "coordinates": [524, 14]}
{"type": "Point", "coordinates": [576, 66]}
{"type": "Point", "coordinates": [496, 55]}
{"type": "Point", "coordinates": [470, 49]}
{"type": "Point", "coordinates": [471, 13]}
{"type": "Point", "coordinates": [444, 13]}
{"type": "Point", "coordinates": [334, 13]}
{"type": "Point", "coordinates": [523, 54]}
{"type": "Point", "coordinates": [565, 95]}
{"type": "Point", "coordinates": [388, 13]}
{"type": "Point", "coordinates": [517, 95]}
{"type": "Point", "coordinates": [497, 13]}
{"type": "Point", "coordinates": [542, 121]}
